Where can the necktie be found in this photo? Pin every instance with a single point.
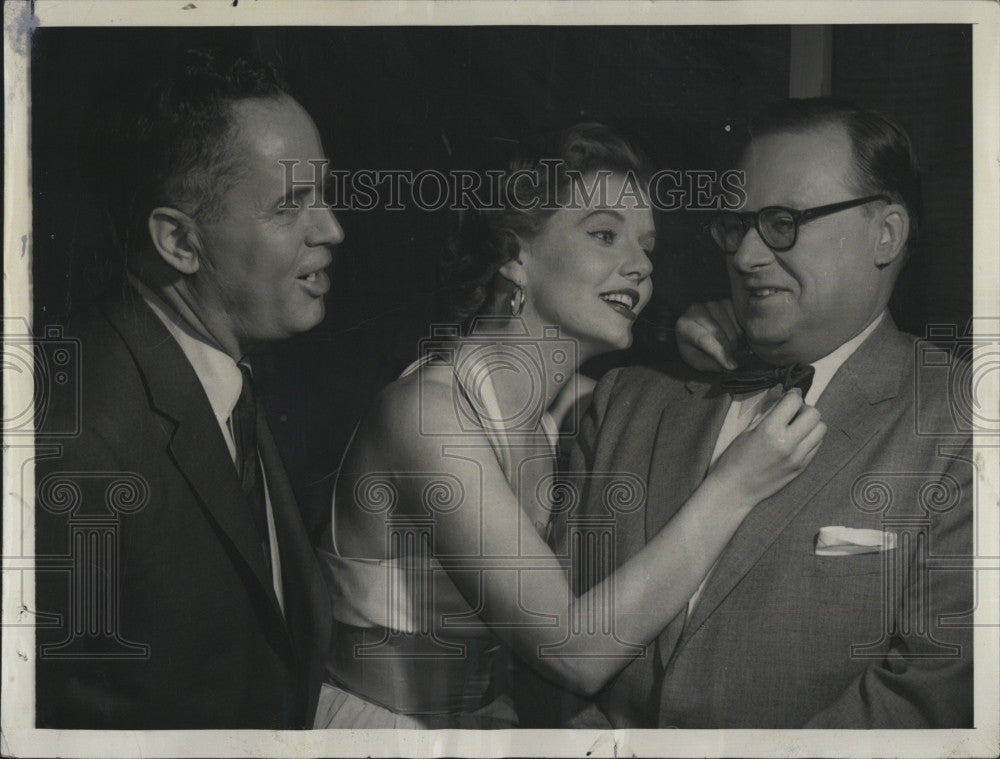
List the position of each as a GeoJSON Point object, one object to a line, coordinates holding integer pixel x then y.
{"type": "Point", "coordinates": [244, 421]}
{"type": "Point", "coordinates": [753, 374]}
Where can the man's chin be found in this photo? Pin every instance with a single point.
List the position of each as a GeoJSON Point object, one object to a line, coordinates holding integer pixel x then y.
{"type": "Point", "coordinates": [766, 333]}
{"type": "Point", "coordinates": [313, 317]}
{"type": "Point", "coordinates": [771, 342]}
{"type": "Point", "coordinates": [289, 328]}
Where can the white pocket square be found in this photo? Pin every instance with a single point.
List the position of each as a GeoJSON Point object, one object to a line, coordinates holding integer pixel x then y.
{"type": "Point", "coordinates": [848, 541]}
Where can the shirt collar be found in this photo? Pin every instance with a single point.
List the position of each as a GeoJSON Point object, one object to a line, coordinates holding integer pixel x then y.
{"type": "Point", "coordinates": [824, 369]}
{"type": "Point", "coordinates": [827, 366]}
{"type": "Point", "coordinates": [218, 373]}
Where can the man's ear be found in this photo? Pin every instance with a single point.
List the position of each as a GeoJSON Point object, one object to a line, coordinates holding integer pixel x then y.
{"type": "Point", "coordinates": [894, 229]}
{"type": "Point", "coordinates": [175, 238]}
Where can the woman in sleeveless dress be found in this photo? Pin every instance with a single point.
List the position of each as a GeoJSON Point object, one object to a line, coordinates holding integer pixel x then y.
{"type": "Point", "coordinates": [437, 558]}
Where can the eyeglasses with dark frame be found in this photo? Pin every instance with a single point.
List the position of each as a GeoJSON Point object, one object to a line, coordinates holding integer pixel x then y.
{"type": "Point", "coordinates": [777, 226]}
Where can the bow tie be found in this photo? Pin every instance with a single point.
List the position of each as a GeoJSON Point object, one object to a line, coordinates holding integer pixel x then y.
{"type": "Point", "coordinates": [752, 380]}
{"type": "Point", "coordinates": [754, 374]}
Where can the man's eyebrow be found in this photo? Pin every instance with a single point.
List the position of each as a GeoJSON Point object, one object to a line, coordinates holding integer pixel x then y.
{"type": "Point", "coordinates": [294, 195]}
{"type": "Point", "coordinates": [300, 187]}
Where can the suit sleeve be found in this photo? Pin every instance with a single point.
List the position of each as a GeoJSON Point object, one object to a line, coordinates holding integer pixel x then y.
{"type": "Point", "coordinates": [925, 678]}
{"type": "Point", "coordinates": [72, 486]}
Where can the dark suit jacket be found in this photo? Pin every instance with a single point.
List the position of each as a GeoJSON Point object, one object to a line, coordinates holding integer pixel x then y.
{"type": "Point", "coordinates": [167, 617]}
{"type": "Point", "coordinates": [769, 645]}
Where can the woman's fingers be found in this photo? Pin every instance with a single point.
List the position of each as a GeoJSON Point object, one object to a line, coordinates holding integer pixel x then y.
{"type": "Point", "coordinates": [803, 422]}
{"type": "Point", "coordinates": [727, 304]}
{"type": "Point", "coordinates": [716, 347]}
{"type": "Point", "coordinates": [722, 313]}
{"type": "Point", "coordinates": [781, 414]}
{"type": "Point", "coordinates": [804, 433]}
{"type": "Point", "coordinates": [726, 331]}
{"type": "Point", "coordinates": [707, 335]}
{"type": "Point", "coordinates": [810, 444]}
{"type": "Point", "coordinates": [700, 339]}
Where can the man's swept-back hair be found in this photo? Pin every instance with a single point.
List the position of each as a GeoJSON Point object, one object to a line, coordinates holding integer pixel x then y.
{"type": "Point", "coordinates": [884, 162]}
{"type": "Point", "coordinates": [175, 139]}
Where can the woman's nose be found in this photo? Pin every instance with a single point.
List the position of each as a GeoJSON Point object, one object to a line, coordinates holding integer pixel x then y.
{"type": "Point", "coordinates": [638, 264]}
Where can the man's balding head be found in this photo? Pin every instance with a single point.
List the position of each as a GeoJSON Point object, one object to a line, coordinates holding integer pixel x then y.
{"type": "Point", "coordinates": [883, 158]}
{"type": "Point", "coordinates": [803, 302]}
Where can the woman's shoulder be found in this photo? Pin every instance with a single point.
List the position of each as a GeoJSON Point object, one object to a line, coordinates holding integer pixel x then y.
{"type": "Point", "coordinates": [429, 382]}
{"type": "Point", "coordinates": [424, 401]}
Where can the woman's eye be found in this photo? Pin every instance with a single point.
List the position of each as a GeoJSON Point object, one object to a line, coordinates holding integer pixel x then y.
{"type": "Point", "coordinates": [604, 235]}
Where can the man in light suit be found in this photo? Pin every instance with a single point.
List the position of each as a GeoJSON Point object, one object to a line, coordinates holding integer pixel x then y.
{"type": "Point", "coordinates": [195, 599]}
{"type": "Point", "coordinates": [826, 608]}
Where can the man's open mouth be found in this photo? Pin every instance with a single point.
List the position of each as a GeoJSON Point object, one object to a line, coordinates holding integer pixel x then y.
{"type": "Point", "coordinates": [764, 292]}
{"type": "Point", "coordinates": [316, 282]}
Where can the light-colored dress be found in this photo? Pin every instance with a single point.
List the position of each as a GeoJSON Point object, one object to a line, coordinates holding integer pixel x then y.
{"type": "Point", "coordinates": [389, 664]}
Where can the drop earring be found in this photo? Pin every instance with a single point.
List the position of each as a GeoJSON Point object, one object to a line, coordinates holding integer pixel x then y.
{"type": "Point", "coordinates": [517, 301]}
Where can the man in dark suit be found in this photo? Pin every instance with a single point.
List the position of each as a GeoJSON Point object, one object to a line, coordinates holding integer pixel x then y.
{"type": "Point", "coordinates": [832, 605]}
{"type": "Point", "coordinates": [195, 599]}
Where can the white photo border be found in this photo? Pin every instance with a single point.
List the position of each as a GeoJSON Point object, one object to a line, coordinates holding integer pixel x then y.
{"type": "Point", "coordinates": [18, 737]}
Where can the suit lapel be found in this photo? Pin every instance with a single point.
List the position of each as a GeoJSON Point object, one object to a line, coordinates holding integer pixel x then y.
{"type": "Point", "coordinates": [849, 406]}
{"type": "Point", "coordinates": [196, 445]}
{"type": "Point", "coordinates": [677, 466]}
{"type": "Point", "coordinates": [681, 453]}
{"type": "Point", "coordinates": [306, 602]}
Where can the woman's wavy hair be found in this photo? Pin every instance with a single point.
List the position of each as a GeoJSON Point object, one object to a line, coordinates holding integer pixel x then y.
{"type": "Point", "coordinates": [489, 238]}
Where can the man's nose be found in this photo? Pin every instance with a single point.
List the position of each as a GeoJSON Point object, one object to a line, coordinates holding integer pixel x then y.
{"type": "Point", "coordinates": [324, 229]}
{"type": "Point", "coordinates": [752, 253]}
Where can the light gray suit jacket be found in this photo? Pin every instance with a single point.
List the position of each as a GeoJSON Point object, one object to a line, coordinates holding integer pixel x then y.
{"type": "Point", "coordinates": [782, 637]}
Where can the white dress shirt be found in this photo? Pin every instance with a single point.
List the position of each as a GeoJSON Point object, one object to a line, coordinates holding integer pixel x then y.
{"type": "Point", "coordinates": [222, 380]}
{"type": "Point", "coordinates": [748, 408]}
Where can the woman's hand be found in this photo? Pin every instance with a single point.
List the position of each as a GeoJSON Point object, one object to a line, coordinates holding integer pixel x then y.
{"type": "Point", "coordinates": [762, 460]}
{"type": "Point", "coordinates": [707, 334]}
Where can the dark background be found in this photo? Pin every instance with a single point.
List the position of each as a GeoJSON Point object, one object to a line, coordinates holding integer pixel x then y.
{"type": "Point", "coordinates": [445, 98]}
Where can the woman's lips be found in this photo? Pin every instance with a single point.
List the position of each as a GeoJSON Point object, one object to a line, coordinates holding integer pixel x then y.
{"type": "Point", "coordinates": [623, 301]}
{"type": "Point", "coordinates": [621, 308]}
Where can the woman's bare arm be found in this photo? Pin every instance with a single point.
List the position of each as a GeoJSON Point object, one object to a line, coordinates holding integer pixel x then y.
{"type": "Point", "coordinates": [649, 589]}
